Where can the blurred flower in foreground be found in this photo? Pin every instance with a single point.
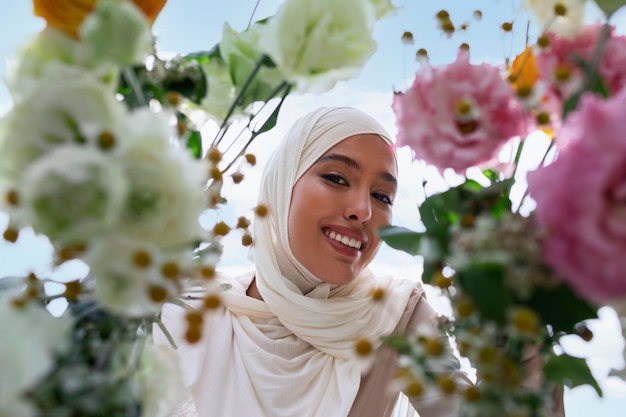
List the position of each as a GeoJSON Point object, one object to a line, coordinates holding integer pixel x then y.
{"type": "Point", "coordinates": [457, 115]}
{"type": "Point", "coordinates": [30, 338]}
{"type": "Point", "coordinates": [564, 17]}
{"type": "Point", "coordinates": [73, 193]}
{"type": "Point", "coordinates": [56, 115]}
{"type": "Point", "coordinates": [160, 381]}
{"type": "Point", "coordinates": [68, 15]}
{"type": "Point", "coordinates": [117, 32]}
{"type": "Point", "coordinates": [580, 200]}
{"type": "Point", "coordinates": [297, 40]}
{"type": "Point", "coordinates": [560, 62]}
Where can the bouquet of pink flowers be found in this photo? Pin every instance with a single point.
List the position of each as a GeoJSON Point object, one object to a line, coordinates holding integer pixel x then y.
{"type": "Point", "coordinates": [525, 255]}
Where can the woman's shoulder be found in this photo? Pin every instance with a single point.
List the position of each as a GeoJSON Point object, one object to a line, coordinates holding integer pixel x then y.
{"type": "Point", "coordinates": [418, 310]}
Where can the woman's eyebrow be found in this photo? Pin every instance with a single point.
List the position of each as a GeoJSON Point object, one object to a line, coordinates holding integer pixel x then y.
{"type": "Point", "coordinates": [386, 176]}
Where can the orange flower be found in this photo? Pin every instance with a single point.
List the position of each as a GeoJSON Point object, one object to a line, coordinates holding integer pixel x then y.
{"type": "Point", "coordinates": [67, 15]}
{"type": "Point", "coordinates": [524, 71]}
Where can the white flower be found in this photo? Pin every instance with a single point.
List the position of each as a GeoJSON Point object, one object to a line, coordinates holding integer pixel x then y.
{"type": "Point", "coordinates": [160, 380]}
{"type": "Point", "coordinates": [166, 195]}
{"type": "Point", "coordinates": [117, 32]}
{"type": "Point", "coordinates": [566, 25]}
{"type": "Point", "coordinates": [135, 284]}
{"type": "Point", "coordinates": [619, 305]}
{"type": "Point", "coordinates": [73, 193]}
{"type": "Point", "coordinates": [50, 57]}
{"type": "Point", "coordinates": [317, 43]}
{"type": "Point", "coordinates": [54, 116]}
{"type": "Point", "coordinates": [30, 337]}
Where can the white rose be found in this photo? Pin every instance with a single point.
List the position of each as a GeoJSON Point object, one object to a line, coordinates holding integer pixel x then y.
{"type": "Point", "coordinates": [566, 25]}
{"type": "Point", "coordinates": [54, 116]}
{"type": "Point", "coordinates": [50, 57]}
{"type": "Point", "coordinates": [30, 337]}
{"type": "Point", "coordinates": [317, 43]}
{"type": "Point", "coordinates": [160, 381]}
{"type": "Point", "coordinates": [129, 275]}
{"type": "Point", "coordinates": [73, 193]}
{"type": "Point", "coordinates": [166, 195]}
{"type": "Point", "coordinates": [117, 32]}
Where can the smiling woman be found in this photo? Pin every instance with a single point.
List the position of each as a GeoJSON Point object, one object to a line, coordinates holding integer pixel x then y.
{"type": "Point", "coordinates": [301, 334]}
{"type": "Point", "coordinates": [339, 204]}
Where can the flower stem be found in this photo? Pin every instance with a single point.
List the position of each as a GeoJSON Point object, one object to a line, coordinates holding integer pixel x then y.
{"type": "Point", "coordinates": [133, 83]}
{"type": "Point", "coordinates": [231, 110]}
{"type": "Point", "coordinates": [590, 74]}
{"type": "Point", "coordinates": [287, 88]}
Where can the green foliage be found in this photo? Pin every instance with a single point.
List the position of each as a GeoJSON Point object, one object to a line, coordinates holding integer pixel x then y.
{"type": "Point", "coordinates": [593, 84]}
{"type": "Point", "coordinates": [610, 6]}
{"type": "Point", "coordinates": [399, 343]}
{"type": "Point", "coordinates": [138, 84]}
{"type": "Point", "coordinates": [401, 238]}
{"type": "Point", "coordinates": [94, 378]}
{"type": "Point", "coordinates": [570, 371]}
{"type": "Point", "coordinates": [484, 284]}
{"type": "Point", "coordinates": [561, 307]}
{"type": "Point", "coordinates": [194, 143]}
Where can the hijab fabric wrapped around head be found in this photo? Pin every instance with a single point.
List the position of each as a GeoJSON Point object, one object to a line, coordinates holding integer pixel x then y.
{"type": "Point", "coordinates": [331, 319]}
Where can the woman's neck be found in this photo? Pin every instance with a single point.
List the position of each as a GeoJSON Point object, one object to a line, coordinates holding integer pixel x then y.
{"type": "Point", "coordinates": [253, 291]}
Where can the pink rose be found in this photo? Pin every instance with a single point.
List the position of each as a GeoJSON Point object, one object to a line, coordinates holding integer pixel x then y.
{"type": "Point", "coordinates": [559, 69]}
{"type": "Point", "coordinates": [581, 200]}
{"type": "Point", "coordinates": [457, 116]}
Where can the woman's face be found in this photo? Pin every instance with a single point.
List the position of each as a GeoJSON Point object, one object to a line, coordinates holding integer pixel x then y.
{"type": "Point", "coordinates": [339, 204]}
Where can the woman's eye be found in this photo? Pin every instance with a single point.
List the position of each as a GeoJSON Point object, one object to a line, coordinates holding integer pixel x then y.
{"type": "Point", "coordinates": [335, 179]}
{"type": "Point", "coordinates": [384, 198]}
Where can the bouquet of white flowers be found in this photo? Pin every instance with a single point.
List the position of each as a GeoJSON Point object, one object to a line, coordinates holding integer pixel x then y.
{"type": "Point", "coordinates": [102, 153]}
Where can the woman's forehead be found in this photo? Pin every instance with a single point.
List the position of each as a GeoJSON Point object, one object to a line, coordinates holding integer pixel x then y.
{"type": "Point", "coordinates": [363, 149]}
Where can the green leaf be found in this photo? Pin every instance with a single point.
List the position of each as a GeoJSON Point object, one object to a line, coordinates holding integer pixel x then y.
{"type": "Point", "coordinates": [561, 308]}
{"type": "Point", "coordinates": [484, 284]}
{"type": "Point", "coordinates": [194, 144]}
{"type": "Point", "coordinates": [610, 6]}
{"type": "Point", "coordinates": [401, 238]}
{"type": "Point", "coordinates": [596, 86]}
{"type": "Point", "coordinates": [271, 121]}
{"type": "Point", "coordinates": [399, 343]}
{"type": "Point", "coordinates": [202, 57]}
{"type": "Point", "coordinates": [570, 371]}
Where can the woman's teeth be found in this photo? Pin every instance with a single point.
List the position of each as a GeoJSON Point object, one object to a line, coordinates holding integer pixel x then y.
{"type": "Point", "coordinates": [353, 243]}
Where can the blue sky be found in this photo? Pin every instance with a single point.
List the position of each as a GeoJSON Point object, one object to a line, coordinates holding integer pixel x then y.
{"type": "Point", "coordinates": [190, 25]}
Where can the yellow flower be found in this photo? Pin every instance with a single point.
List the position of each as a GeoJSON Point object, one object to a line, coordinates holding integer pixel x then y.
{"type": "Point", "coordinates": [67, 15]}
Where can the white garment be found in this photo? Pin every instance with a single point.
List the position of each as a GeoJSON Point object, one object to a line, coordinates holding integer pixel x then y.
{"type": "Point", "coordinates": [221, 389]}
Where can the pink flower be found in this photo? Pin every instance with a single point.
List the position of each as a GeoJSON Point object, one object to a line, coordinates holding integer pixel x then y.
{"type": "Point", "coordinates": [457, 116]}
{"type": "Point", "coordinates": [558, 66]}
{"type": "Point", "coordinates": [581, 200]}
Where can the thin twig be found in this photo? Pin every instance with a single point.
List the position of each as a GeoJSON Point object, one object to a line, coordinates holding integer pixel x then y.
{"type": "Point", "coordinates": [253, 12]}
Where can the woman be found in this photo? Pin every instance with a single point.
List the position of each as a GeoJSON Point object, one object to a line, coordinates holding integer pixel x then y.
{"type": "Point", "coordinates": [284, 345]}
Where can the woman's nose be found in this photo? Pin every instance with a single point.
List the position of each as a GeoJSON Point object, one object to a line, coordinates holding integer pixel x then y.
{"type": "Point", "coordinates": [358, 207]}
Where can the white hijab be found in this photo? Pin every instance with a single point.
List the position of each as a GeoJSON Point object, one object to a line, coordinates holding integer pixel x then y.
{"type": "Point", "coordinates": [331, 319]}
{"type": "Point", "coordinates": [293, 353]}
